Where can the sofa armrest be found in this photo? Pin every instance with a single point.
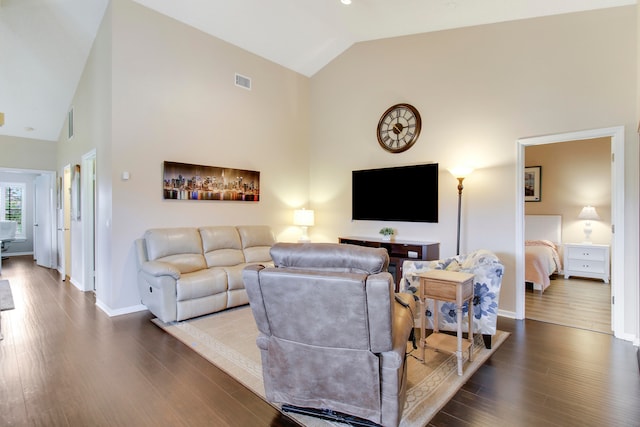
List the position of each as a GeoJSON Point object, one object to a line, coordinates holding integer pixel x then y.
{"type": "Point", "coordinates": [380, 308]}
{"type": "Point", "coordinates": [159, 268]}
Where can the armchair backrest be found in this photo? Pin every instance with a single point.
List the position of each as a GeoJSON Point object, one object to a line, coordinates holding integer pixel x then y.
{"type": "Point", "coordinates": [330, 257]}
{"type": "Point", "coordinates": [329, 295]}
{"type": "Point", "coordinates": [181, 247]}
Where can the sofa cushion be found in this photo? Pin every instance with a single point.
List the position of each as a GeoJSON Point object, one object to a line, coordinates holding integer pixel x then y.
{"type": "Point", "coordinates": [221, 246]}
{"type": "Point", "coordinates": [162, 242]}
{"type": "Point", "coordinates": [185, 263]}
{"type": "Point", "coordinates": [256, 242]}
{"type": "Point", "coordinates": [181, 247]}
{"type": "Point", "coordinates": [234, 276]}
{"type": "Point", "coordinates": [201, 283]}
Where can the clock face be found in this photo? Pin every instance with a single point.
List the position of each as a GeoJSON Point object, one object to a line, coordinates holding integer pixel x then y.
{"type": "Point", "coordinates": [399, 128]}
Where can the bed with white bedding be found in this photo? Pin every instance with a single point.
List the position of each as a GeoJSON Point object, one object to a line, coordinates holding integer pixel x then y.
{"type": "Point", "coordinates": [543, 237]}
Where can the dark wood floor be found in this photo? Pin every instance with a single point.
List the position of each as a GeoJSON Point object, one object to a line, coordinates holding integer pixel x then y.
{"type": "Point", "coordinates": [65, 363]}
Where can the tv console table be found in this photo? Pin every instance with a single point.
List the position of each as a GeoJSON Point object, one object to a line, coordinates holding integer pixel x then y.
{"type": "Point", "coordinates": [399, 251]}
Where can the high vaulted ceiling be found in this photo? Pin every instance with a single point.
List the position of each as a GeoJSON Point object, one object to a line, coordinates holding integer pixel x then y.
{"type": "Point", "coordinates": [44, 44]}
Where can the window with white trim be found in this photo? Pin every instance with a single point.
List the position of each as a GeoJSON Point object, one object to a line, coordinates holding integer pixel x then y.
{"type": "Point", "coordinates": [12, 204]}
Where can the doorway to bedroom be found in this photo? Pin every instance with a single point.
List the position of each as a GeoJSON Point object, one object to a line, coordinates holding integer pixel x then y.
{"type": "Point", "coordinates": [570, 176]}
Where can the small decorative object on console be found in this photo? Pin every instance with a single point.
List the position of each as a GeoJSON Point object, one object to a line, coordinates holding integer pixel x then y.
{"type": "Point", "coordinates": [387, 232]}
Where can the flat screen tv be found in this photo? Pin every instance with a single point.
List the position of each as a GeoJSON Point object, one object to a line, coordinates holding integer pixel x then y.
{"type": "Point", "coordinates": [405, 193]}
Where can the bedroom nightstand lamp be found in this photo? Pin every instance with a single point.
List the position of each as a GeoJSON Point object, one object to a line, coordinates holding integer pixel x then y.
{"type": "Point", "coordinates": [588, 213]}
{"type": "Point", "coordinates": [303, 218]}
{"type": "Point", "coordinates": [460, 173]}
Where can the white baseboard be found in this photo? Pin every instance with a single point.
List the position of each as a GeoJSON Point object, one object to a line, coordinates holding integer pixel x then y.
{"type": "Point", "coordinates": [509, 314]}
{"type": "Point", "coordinates": [77, 284]}
{"type": "Point", "coordinates": [120, 311]}
{"type": "Point", "coordinates": [10, 254]}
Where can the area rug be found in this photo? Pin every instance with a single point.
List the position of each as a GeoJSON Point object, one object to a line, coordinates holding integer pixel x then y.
{"type": "Point", "coordinates": [6, 298]}
{"type": "Point", "coordinates": [228, 340]}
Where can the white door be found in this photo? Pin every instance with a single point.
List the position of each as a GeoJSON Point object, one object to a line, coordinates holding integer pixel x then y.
{"type": "Point", "coordinates": [88, 219]}
{"type": "Point", "coordinates": [43, 222]}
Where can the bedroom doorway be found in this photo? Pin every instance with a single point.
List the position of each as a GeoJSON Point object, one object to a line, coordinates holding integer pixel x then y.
{"type": "Point", "coordinates": [616, 135]}
{"type": "Point", "coordinates": [576, 174]}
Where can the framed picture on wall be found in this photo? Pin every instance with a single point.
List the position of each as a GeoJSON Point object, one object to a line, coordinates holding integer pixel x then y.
{"type": "Point", "coordinates": [532, 183]}
{"type": "Point", "coordinates": [184, 181]}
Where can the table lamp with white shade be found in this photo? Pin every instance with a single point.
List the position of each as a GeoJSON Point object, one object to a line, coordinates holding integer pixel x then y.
{"type": "Point", "coordinates": [303, 218]}
{"type": "Point", "coordinates": [588, 213]}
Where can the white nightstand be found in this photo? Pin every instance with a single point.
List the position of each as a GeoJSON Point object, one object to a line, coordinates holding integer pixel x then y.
{"type": "Point", "coordinates": [586, 260]}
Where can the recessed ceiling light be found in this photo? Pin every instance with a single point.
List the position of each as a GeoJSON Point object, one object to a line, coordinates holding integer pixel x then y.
{"type": "Point", "coordinates": [345, 1]}
{"type": "Point", "coordinates": [29, 129]}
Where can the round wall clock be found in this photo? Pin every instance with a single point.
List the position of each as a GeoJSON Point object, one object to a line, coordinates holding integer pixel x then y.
{"type": "Point", "coordinates": [399, 128]}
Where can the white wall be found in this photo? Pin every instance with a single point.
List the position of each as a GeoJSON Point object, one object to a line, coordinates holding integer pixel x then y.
{"type": "Point", "coordinates": [478, 89]}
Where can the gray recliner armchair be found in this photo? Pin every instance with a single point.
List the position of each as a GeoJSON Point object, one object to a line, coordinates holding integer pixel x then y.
{"type": "Point", "coordinates": [333, 335]}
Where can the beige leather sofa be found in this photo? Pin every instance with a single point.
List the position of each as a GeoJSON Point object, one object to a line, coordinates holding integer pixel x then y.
{"type": "Point", "coordinates": [190, 272]}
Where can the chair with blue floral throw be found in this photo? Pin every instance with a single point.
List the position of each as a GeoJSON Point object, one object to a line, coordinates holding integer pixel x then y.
{"type": "Point", "coordinates": [488, 271]}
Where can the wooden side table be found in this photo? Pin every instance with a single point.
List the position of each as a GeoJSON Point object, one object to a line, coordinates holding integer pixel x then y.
{"type": "Point", "coordinates": [451, 286]}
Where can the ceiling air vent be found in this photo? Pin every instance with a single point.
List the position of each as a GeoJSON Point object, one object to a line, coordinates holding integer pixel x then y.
{"type": "Point", "coordinates": [243, 81]}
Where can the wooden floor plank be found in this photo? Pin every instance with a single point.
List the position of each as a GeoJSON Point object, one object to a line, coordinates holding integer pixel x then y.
{"type": "Point", "coordinates": [579, 303]}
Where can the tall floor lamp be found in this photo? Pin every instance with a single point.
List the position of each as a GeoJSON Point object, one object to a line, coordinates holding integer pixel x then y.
{"type": "Point", "coordinates": [460, 173]}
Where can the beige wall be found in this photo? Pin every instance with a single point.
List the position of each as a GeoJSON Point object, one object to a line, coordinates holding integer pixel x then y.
{"type": "Point", "coordinates": [173, 98]}
{"type": "Point", "coordinates": [23, 153]}
{"type": "Point", "coordinates": [574, 174]}
{"type": "Point", "coordinates": [637, 242]}
{"type": "Point", "coordinates": [479, 90]}
{"type": "Point", "coordinates": [92, 134]}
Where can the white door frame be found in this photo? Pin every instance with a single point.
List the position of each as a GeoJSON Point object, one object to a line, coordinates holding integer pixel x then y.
{"type": "Point", "coordinates": [617, 215]}
{"type": "Point", "coordinates": [66, 221]}
{"type": "Point", "coordinates": [88, 220]}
